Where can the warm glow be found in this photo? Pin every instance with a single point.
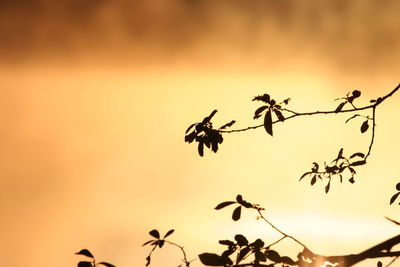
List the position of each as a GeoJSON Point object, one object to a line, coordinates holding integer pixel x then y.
{"type": "Point", "coordinates": [95, 99]}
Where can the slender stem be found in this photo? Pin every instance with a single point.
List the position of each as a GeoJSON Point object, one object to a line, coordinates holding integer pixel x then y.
{"type": "Point", "coordinates": [298, 114]}
{"type": "Point", "coordinates": [281, 232]}
{"type": "Point", "coordinates": [185, 260]}
{"type": "Point", "coordinates": [373, 132]}
{"type": "Point", "coordinates": [392, 261]}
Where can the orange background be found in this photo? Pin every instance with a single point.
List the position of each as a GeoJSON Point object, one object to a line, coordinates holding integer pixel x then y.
{"type": "Point", "coordinates": [95, 100]}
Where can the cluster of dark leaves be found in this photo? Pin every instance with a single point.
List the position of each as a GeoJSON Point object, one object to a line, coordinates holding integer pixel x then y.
{"type": "Point", "coordinates": [394, 197]}
{"type": "Point", "coordinates": [337, 168]}
{"type": "Point", "coordinates": [271, 107]}
{"type": "Point", "coordinates": [91, 263]}
{"type": "Point", "coordinates": [204, 133]}
{"type": "Point", "coordinates": [242, 249]}
{"type": "Point", "coordinates": [156, 242]}
{"type": "Point", "coordinates": [348, 100]}
{"type": "Point", "coordinates": [238, 210]}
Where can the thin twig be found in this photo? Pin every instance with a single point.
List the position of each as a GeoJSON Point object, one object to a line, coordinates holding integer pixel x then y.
{"type": "Point", "coordinates": [185, 260]}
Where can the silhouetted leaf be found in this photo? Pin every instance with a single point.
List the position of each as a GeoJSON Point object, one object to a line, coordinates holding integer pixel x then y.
{"type": "Point", "coordinates": [273, 255]}
{"type": "Point", "coordinates": [287, 260]}
{"type": "Point", "coordinates": [169, 233]}
{"type": "Point", "coordinates": [224, 204]}
{"type": "Point", "coordinates": [304, 175]}
{"type": "Point", "coordinates": [356, 93]}
{"type": "Point", "coordinates": [327, 187]}
{"type": "Point", "coordinates": [379, 264]}
{"type": "Point", "coordinates": [190, 137]}
{"type": "Point", "coordinates": [279, 115]}
{"type": "Point", "coordinates": [85, 252]}
{"type": "Point", "coordinates": [211, 259]}
{"type": "Point", "coordinates": [229, 124]}
{"type": "Point", "coordinates": [264, 98]}
{"type": "Point", "coordinates": [241, 240]}
{"type": "Point", "coordinates": [353, 171]}
{"type": "Point", "coordinates": [226, 242]}
{"type": "Point", "coordinates": [148, 242]}
{"type": "Point", "coordinates": [394, 197]}
{"type": "Point", "coordinates": [106, 264]}
{"type": "Point", "coordinates": [398, 187]}
{"type": "Point", "coordinates": [214, 146]}
{"type": "Point", "coordinates": [372, 101]}
{"type": "Point", "coordinates": [247, 204]}
{"type": "Point", "coordinates": [154, 233]}
{"type": "Point", "coordinates": [340, 107]}
{"type": "Point", "coordinates": [258, 112]}
{"type": "Point", "coordinates": [236, 213]}
{"type": "Point", "coordinates": [190, 127]}
{"type": "Point", "coordinates": [200, 148]}
{"type": "Point", "coordinates": [259, 256]}
{"type": "Point", "coordinates": [268, 122]}
{"type": "Point", "coordinates": [242, 254]}
{"type": "Point", "coordinates": [340, 154]}
{"type": "Point", "coordinates": [315, 167]}
{"type": "Point", "coordinates": [207, 119]}
{"type": "Point", "coordinates": [364, 126]}
{"type": "Point", "coordinates": [85, 264]}
{"type": "Point", "coordinates": [258, 244]}
{"type": "Point", "coordinates": [148, 259]}
{"type": "Point", "coordinates": [314, 180]}
{"type": "Point", "coordinates": [358, 163]}
{"type": "Point", "coordinates": [161, 243]}
{"type": "Point", "coordinates": [239, 199]}
{"type": "Point", "coordinates": [358, 154]}
{"type": "Point", "coordinates": [351, 180]}
{"type": "Point", "coordinates": [228, 252]}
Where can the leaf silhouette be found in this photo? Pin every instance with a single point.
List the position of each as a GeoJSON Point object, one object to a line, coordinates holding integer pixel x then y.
{"type": "Point", "coordinates": [327, 187]}
{"type": "Point", "coordinates": [241, 240]}
{"type": "Point", "coordinates": [279, 115]}
{"type": "Point", "coordinates": [393, 198]}
{"type": "Point", "coordinates": [242, 254]}
{"type": "Point", "coordinates": [148, 242]}
{"type": "Point", "coordinates": [200, 148]}
{"type": "Point", "coordinates": [258, 112]}
{"type": "Point", "coordinates": [224, 204]}
{"type": "Point", "coordinates": [287, 260]}
{"type": "Point", "coordinates": [85, 252]}
{"type": "Point", "coordinates": [268, 122]}
{"type": "Point", "coordinates": [154, 233]}
{"type": "Point", "coordinates": [84, 264]}
{"type": "Point", "coordinates": [190, 127]}
{"type": "Point", "coordinates": [169, 233]}
{"type": "Point", "coordinates": [273, 255]}
{"type": "Point", "coordinates": [340, 107]}
{"type": "Point", "coordinates": [356, 93]}
{"type": "Point", "coordinates": [211, 259]}
{"type": "Point", "coordinates": [304, 175]}
{"type": "Point", "coordinates": [106, 264]}
{"type": "Point", "coordinates": [207, 119]}
{"type": "Point", "coordinates": [229, 124]}
{"type": "Point", "coordinates": [358, 154]}
{"type": "Point", "coordinates": [314, 180]}
{"type": "Point", "coordinates": [398, 187]}
{"type": "Point", "coordinates": [236, 213]}
{"type": "Point", "coordinates": [364, 126]}
{"type": "Point", "coordinates": [358, 163]}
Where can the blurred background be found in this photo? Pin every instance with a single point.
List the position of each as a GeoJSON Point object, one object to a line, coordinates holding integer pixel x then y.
{"type": "Point", "coordinates": [95, 97]}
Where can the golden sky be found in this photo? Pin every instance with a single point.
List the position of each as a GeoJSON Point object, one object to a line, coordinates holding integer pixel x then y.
{"type": "Point", "coordinates": [95, 99]}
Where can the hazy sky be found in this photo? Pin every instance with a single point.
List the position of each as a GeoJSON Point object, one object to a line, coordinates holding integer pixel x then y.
{"type": "Point", "coordinates": [95, 99]}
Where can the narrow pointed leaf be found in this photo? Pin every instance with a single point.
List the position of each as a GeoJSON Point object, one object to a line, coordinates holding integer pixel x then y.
{"type": "Point", "coordinates": [154, 233]}
{"type": "Point", "coordinates": [190, 127]}
{"type": "Point", "coordinates": [227, 125]}
{"type": "Point", "coordinates": [236, 213]}
{"type": "Point", "coordinates": [358, 163]}
{"type": "Point", "coordinates": [394, 197]}
{"type": "Point", "coordinates": [268, 122]}
{"type": "Point", "coordinates": [314, 180]}
{"type": "Point", "coordinates": [327, 187]}
{"type": "Point", "coordinates": [208, 118]}
{"type": "Point", "coordinates": [224, 204]}
{"type": "Point", "coordinates": [85, 252]}
{"type": "Point", "coordinates": [304, 175]}
{"type": "Point", "coordinates": [279, 115]}
{"type": "Point", "coordinates": [340, 107]}
{"type": "Point", "coordinates": [358, 154]}
{"type": "Point", "coordinates": [169, 233]}
{"type": "Point", "coordinates": [257, 113]}
{"type": "Point", "coordinates": [242, 254]}
{"type": "Point", "coordinates": [352, 117]}
{"type": "Point", "coordinates": [200, 148]}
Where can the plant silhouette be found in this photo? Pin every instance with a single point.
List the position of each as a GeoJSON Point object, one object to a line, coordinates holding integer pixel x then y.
{"type": "Point", "coordinates": [240, 252]}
